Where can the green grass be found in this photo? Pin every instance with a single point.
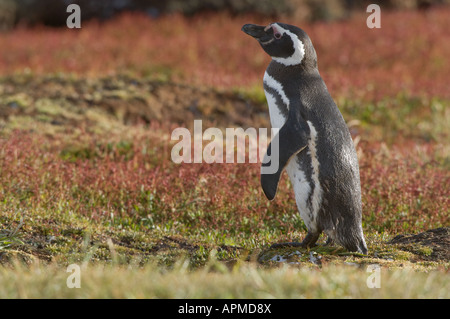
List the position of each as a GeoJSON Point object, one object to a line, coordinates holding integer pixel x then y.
{"type": "Point", "coordinates": [10, 237]}
{"type": "Point", "coordinates": [216, 281]}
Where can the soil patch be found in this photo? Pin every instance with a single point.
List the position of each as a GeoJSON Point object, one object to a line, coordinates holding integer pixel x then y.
{"type": "Point", "coordinates": [437, 239]}
{"type": "Point", "coordinates": [62, 100]}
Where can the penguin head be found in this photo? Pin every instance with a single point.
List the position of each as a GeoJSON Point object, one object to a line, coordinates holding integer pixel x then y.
{"type": "Point", "coordinates": [286, 44]}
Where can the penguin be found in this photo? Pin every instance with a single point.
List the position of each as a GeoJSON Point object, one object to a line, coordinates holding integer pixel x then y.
{"type": "Point", "coordinates": [314, 143]}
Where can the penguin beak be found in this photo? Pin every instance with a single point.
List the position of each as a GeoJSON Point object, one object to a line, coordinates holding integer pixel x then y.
{"type": "Point", "coordinates": [254, 30]}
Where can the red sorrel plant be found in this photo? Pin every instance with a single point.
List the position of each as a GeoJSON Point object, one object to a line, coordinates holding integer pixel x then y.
{"type": "Point", "coordinates": [408, 54]}
{"type": "Point", "coordinates": [402, 190]}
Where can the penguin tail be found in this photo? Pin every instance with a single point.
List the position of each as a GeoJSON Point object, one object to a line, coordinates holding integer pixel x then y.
{"type": "Point", "coordinates": [360, 246]}
{"type": "Point", "coordinates": [363, 248]}
{"type": "Point", "coordinates": [354, 244]}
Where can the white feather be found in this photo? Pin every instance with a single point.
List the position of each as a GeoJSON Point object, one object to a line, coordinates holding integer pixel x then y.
{"type": "Point", "coordinates": [302, 189]}
{"type": "Point", "coordinates": [312, 151]}
{"type": "Point", "coordinates": [277, 86]}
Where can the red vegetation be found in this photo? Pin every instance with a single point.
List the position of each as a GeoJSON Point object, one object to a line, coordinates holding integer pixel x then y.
{"type": "Point", "coordinates": [403, 189]}
{"type": "Point", "coordinates": [409, 53]}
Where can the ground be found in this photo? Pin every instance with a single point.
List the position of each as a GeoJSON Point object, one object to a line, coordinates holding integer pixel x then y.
{"type": "Point", "coordinates": [436, 240]}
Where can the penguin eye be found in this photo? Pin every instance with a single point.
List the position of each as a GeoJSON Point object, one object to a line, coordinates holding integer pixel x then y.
{"type": "Point", "coordinates": [277, 35]}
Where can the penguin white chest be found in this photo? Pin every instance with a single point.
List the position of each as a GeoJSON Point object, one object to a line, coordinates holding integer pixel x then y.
{"type": "Point", "coordinates": [278, 110]}
{"type": "Point", "coordinates": [277, 101]}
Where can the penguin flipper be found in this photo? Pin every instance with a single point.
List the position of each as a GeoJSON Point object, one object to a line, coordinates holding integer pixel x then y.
{"type": "Point", "coordinates": [290, 140]}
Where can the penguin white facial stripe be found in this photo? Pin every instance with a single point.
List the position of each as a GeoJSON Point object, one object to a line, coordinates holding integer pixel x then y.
{"type": "Point", "coordinates": [299, 53]}
{"type": "Point", "coordinates": [316, 199]}
{"type": "Point", "coordinates": [277, 86]}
